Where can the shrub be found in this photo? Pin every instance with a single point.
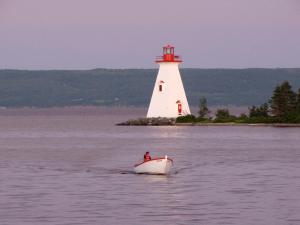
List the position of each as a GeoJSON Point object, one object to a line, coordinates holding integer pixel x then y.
{"type": "Point", "coordinates": [223, 116]}
{"type": "Point", "coordinates": [186, 119]}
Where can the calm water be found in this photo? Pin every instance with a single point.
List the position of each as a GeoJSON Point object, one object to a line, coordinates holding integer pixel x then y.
{"type": "Point", "coordinates": [74, 167]}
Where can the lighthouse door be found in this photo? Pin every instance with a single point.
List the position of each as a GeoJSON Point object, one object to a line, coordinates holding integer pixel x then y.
{"type": "Point", "coordinates": [179, 108]}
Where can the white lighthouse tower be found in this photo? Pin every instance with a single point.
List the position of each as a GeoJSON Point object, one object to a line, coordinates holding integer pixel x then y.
{"type": "Point", "coordinates": [168, 97]}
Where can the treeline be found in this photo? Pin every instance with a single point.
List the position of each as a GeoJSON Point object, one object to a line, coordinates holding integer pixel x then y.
{"type": "Point", "coordinates": [133, 87]}
{"type": "Point", "coordinates": [282, 107]}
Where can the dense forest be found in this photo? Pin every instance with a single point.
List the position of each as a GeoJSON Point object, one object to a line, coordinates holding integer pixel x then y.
{"type": "Point", "coordinates": [133, 87]}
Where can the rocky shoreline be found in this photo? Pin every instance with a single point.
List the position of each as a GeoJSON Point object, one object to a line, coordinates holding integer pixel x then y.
{"type": "Point", "coordinates": [240, 124]}
{"type": "Point", "coordinates": [161, 121]}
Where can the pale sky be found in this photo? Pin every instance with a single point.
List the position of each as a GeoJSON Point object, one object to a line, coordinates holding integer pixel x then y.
{"type": "Point", "coordinates": [87, 34]}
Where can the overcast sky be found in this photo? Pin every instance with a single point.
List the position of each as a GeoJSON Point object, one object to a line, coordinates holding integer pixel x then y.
{"type": "Point", "coordinates": [86, 34]}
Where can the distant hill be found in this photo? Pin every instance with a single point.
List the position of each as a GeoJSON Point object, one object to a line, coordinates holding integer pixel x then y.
{"type": "Point", "coordinates": [133, 87]}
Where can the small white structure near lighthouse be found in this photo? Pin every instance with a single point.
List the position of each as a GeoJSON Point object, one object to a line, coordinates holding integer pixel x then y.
{"type": "Point", "coordinates": [168, 97]}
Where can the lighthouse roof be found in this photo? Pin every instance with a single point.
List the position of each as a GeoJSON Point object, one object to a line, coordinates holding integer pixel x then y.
{"type": "Point", "coordinates": [168, 55]}
{"type": "Point", "coordinates": [168, 46]}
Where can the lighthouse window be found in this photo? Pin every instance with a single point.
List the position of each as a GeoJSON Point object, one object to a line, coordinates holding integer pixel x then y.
{"type": "Point", "coordinates": [160, 88]}
{"type": "Point", "coordinates": [168, 51]}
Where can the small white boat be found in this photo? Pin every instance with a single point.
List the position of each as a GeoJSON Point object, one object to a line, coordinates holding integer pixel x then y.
{"type": "Point", "coordinates": [161, 165]}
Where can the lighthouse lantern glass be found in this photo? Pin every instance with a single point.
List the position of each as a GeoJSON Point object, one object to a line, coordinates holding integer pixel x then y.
{"type": "Point", "coordinates": [169, 55]}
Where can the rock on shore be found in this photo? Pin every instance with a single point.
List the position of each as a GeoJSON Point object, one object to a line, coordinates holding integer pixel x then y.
{"type": "Point", "coordinates": [160, 121]}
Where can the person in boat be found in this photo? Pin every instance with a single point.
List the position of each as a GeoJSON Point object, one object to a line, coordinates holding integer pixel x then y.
{"type": "Point", "coordinates": [147, 157]}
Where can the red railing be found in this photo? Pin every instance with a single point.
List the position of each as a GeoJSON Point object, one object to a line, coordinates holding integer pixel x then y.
{"type": "Point", "coordinates": [168, 58]}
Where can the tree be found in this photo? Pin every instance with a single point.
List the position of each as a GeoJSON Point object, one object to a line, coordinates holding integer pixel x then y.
{"type": "Point", "coordinates": [259, 111]}
{"type": "Point", "coordinates": [203, 110]}
{"type": "Point", "coordinates": [298, 102]}
{"type": "Point", "coordinates": [283, 100]}
{"type": "Point", "coordinates": [223, 115]}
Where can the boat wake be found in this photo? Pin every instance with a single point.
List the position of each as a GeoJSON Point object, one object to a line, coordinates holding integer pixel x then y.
{"type": "Point", "coordinates": [104, 171]}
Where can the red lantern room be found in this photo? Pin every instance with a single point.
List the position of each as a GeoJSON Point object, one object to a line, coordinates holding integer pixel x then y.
{"type": "Point", "coordinates": [168, 55]}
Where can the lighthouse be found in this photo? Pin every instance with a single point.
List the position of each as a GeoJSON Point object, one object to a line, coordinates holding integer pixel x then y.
{"type": "Point", "coordinates": [168, 97]}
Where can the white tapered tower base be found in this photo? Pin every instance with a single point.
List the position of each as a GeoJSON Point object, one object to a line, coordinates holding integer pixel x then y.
{"type": "Point", "coordinates": [168, 97]}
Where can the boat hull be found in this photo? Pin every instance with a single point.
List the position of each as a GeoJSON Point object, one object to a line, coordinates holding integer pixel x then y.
{"type": "Point", "coordinates": [154, 166]}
